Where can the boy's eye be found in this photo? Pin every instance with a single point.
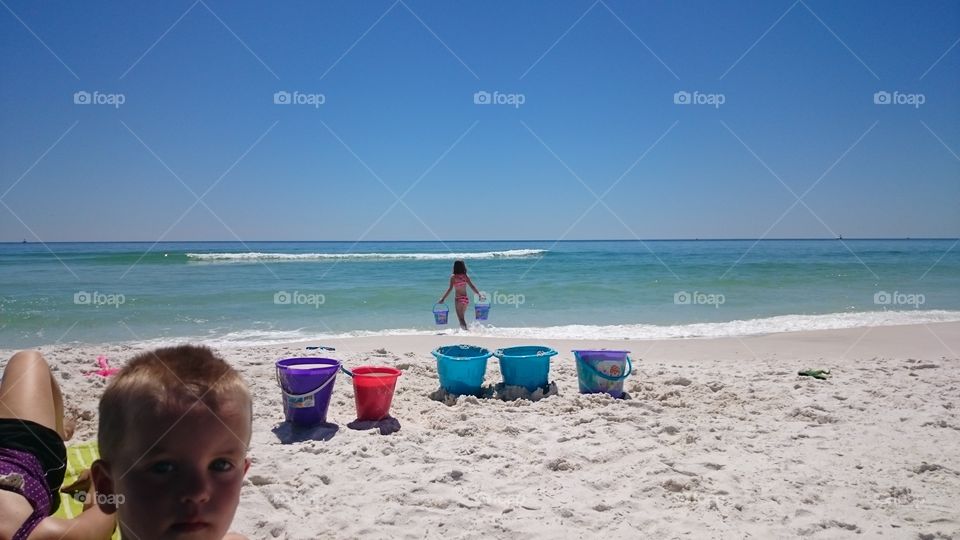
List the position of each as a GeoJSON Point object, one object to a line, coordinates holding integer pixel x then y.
{"type": "Point", "coordinates": [162, 467]}
{"type": "Point", "coordinates": [221, 465]}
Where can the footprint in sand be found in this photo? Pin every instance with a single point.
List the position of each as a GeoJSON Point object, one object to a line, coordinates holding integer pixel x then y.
{"type": "Point", "coordinates": [926, 467]}
{"type": "Point", "coordinates": [261, 480]}
{"type": "Point", "coordinates": [669, 430]}
{"type": "Point", "coordinates": [561, 464]}
{"type": "Point", "coordinates": [824, 525]}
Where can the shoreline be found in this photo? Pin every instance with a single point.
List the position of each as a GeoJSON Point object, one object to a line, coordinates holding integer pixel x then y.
{"type": "Point", "coordinates": [641, 332]}
{"type": "Point", "coordinates": [720, 438]}
{"type": "Point", "coordinates": [775, 339]}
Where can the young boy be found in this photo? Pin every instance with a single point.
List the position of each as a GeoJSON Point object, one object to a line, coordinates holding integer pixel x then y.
{"type": "Point", "coordinates": [175, 424]}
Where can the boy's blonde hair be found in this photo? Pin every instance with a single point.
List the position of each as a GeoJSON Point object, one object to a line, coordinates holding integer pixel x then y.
{"type": "Point", "coordinates": [165, 380]}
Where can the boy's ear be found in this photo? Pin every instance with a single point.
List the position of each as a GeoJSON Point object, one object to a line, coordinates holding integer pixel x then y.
{"type": "Point", "coordinates": [103, 483]}
{"type": "Point", "coordinates": [246, 465]}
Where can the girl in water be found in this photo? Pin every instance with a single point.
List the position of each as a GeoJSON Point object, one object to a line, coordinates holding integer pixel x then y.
{"type": "Point", "coordinates": [459, 281]}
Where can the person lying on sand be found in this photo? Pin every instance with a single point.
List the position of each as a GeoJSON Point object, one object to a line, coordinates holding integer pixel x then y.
{"type": "Point", "coordinates": [33, 458]}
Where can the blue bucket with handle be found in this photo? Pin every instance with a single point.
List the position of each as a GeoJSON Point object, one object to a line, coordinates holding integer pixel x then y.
{"type": "Point", "coordinates": [481, 308]}
{"type": "Point", "coordinates": [602, 371]}
{"type": "Point", "coordinates": [527, 366]}
{"type": "Point", "coordinates": [461, 368]}
{"type": "Point", "coordinates": [440, 312]}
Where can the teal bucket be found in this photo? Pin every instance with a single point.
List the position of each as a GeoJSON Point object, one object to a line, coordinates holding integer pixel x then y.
{"type": "Point", "coordinates": [602, 371]}
{"type": "Point", "coordinates": [527, 366]}
{"type": "Point", "coordinates": [461, 368]}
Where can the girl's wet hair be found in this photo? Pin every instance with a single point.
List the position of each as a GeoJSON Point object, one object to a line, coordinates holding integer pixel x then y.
{"type": "Point", "coordinates": [459, 267]}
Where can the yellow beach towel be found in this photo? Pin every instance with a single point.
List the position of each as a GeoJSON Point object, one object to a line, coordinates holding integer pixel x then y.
{"type": "Point", "coordinates": [79, 457]}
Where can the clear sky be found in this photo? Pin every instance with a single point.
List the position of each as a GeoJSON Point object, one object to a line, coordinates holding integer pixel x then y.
{"type": "Point", "coordinates": [588, 91]}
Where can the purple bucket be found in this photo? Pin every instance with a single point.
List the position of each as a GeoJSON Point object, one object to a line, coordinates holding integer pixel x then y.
{"type": "Point", "coordinates": [307, 384]}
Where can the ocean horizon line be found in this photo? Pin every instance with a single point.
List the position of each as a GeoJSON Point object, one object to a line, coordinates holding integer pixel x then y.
{"type": "Point", "coordinates": [625, 240]}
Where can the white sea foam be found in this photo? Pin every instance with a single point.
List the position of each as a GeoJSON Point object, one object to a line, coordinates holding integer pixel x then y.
{"type": "Point", "coordinates": [258, 257]}
{"type": "Point", "coordinates": [783, 323]}
{"type": "Point", "coordinates": [770, 325]}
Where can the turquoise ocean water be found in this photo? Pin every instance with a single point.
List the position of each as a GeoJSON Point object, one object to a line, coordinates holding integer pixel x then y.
{"type": "Point", "coordinates": [269, 292]}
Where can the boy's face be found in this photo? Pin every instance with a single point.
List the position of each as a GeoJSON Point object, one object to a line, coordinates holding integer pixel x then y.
{"type": "Point", "coordinates": [180, 475]}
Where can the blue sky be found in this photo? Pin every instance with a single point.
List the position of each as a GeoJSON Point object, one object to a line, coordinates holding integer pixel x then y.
{"type": "Point", "coordinates": [398, 80]}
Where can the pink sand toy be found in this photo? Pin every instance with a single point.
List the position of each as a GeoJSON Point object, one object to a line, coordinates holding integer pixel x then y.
{"type": "Point", "coordinates": [105, 369]}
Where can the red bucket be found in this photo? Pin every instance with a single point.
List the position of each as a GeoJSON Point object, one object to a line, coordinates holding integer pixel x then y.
{"type": "Point", "coordinates": [373, 388]}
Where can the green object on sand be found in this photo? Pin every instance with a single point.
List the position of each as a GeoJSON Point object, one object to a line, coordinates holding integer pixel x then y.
{"type": "Point", "coordinates": [815, 373]}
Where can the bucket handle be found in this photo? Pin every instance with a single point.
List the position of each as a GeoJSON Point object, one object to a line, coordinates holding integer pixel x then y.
{"type": "Point", "coordinates": [603, 375]}
{"type": "Point", "coordinates": [345, 370]}
{"type": "Point", "coordinates": [310, 393]}
{"type": "Point", "coordinates": [437, 354]}
{"type": "Point", "coordinates": [445, 308]}
{"type": "Point", "coordinates": [550, 352]}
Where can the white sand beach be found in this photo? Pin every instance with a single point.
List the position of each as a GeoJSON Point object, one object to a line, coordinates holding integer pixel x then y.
{"type": "Point", "coordinates": [719, 438]}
